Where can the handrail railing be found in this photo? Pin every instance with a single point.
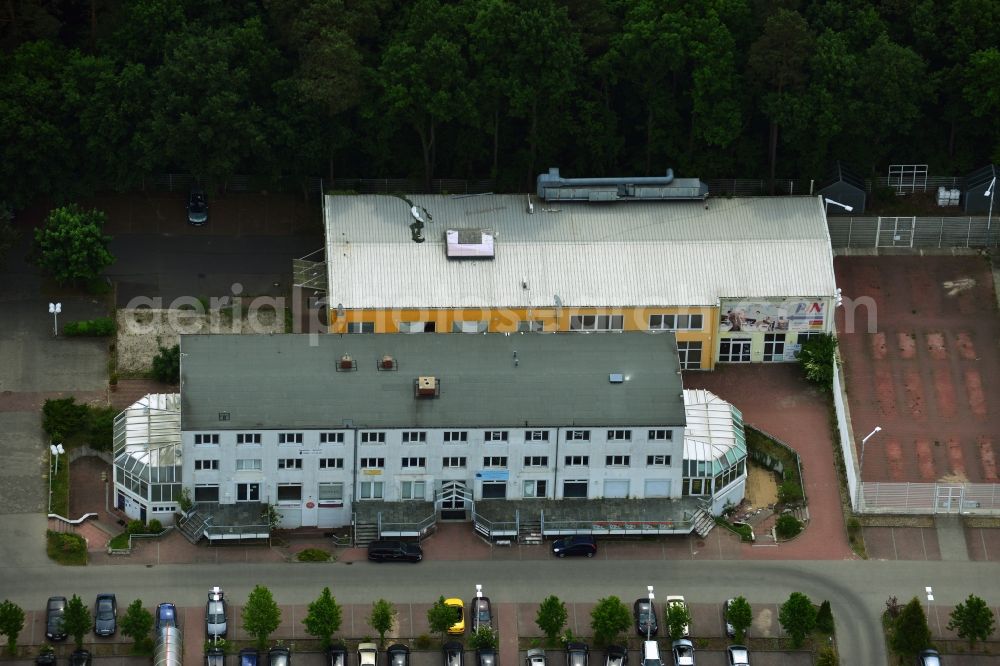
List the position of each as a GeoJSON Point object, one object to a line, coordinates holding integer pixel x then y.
{"type": "Point", "coordinates": [128, 550]}
{"type": "Point", "coordinates": [72, 521]}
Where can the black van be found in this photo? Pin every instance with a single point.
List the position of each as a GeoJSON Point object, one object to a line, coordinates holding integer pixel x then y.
{"type": "Point", "coordinates": [394, 551]}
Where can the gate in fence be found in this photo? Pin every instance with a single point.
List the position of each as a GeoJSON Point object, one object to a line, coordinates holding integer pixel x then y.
{"type": "Point", "coordinates": [895, 232]}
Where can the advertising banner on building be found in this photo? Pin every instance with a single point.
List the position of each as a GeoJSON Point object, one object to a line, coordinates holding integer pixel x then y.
{"type": "Point", "coordinates": [772, 315]}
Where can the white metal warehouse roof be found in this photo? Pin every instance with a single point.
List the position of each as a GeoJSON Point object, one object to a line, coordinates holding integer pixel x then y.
{"type": "Point", "coordinates": [604, 255]}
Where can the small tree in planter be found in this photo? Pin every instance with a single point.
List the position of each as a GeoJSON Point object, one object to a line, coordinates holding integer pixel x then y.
{"type": "Point", "coordinates": [483, 637]}
{"type": "Point", "coordinates": [740, 615]}
{"type": "Point", "coordinates": [441, 616]}
{"type": "Point", "coordinates": [609, 619]}
{"type": "Point", "coordinates": [382, 617]}
{"type": "Point", "coordinates": [972, 619]}
{"type": "Point", "coordinates": [261, 615]}
{"type": "Point", "coordinates": [137, 623]}
{"type": "Point", "coordinates": [797, 617]}
{"type": "Point", "coordinates": [77, 620]}
{"type": "Point", "coordinates": [11, 624]}
{"type": "Point", "coordinates": [551, 617]}
{"type": "Point", "coordinates": [787, 526]}
{"type": "Point", "coordinates": [910, 633]}
{"type": "Point", "coordinates": [324, 617]}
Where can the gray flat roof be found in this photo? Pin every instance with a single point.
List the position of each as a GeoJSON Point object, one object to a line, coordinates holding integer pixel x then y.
{"type": "Point", "coordinates": [661, 253]}
{"type": "Point", "coordinates": [561, 379]}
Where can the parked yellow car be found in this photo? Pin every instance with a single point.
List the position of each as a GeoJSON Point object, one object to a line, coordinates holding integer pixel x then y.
{"type": "Point", "coordinates": [458, 628]}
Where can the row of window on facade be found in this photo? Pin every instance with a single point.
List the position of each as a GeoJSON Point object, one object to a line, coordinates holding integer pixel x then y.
{"type": "Point", "coordinates": [410, 462]}
{"type": "Point", "coordinates": [657, 322]}
{"type": "Point", "coordinates": [420, 436]}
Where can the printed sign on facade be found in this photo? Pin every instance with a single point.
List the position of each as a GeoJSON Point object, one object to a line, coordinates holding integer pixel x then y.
{"type": "Point", "coordinates": [780, 314]}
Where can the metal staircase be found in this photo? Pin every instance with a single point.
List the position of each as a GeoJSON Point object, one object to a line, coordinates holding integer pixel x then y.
{"type": "Point", "coordinates": [530, 532]}
{"type": "Point", "coordinates": [192, 526]}
{"type": "Point", "coordinates": [703, 523]}
{"type": "Point", "coordinates": [365, 533]}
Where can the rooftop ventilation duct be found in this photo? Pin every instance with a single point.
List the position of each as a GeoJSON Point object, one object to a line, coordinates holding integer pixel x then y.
{"type": "Point", "coordinates": [552, 187]}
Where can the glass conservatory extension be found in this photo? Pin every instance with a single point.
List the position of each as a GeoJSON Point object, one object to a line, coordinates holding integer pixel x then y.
{"type": "Point", "coordinates": [715, 450]}
{"type": "Point", "coordinates": [147, 453]}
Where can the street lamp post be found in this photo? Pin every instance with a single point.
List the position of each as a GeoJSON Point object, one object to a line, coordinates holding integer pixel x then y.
{"type": "Point", "coordinates": [55, 450]}
{"type": "Point", "coordinates": [649, 619]}
{"type": "Point", "coordinates": [54, 310]}
{"type": "Point", "coordinates": [861, 463]}
{"type": "Point", "coordinates": [826, 206]}
{"type": "Point", "coordinates": [990, 191]}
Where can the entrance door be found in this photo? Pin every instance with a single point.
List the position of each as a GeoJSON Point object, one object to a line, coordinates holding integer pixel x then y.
{"type": "Point", "coordinates": [453, 500]}
{"type": "Point", "coordinates": [949, 499]}
{"type": "Point", "coordinates": [734, 350]}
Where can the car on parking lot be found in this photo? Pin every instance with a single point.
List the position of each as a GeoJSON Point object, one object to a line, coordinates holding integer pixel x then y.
{"type": "Point", "coordinates": [165, 617]}
{"type": "Point", "coordinates": [197, 206]}
{"type": "Point", "coordinates": [249, 657]}
{"type": "Point", "coordinates": [46, 658]}
{"type": "Point", "coordinates": [105, 615]}
{"type": "Point", "coordinates": [397, 655]}
{"type": "Point", "coordinates": [535, 657]}
{"type": "Point", "coordinates": [644, 613]}
{"type": "Point", "coordinates": [683, 650]}
{"type": "Point", "coordinates": [81, 658]}
{"type": "Point", "coordinates": [486, 657]}
{"type": "Point", "coordinates": [55, 611]}
{"type": "Point", "coordinates": [215, 656]}
{"type": "Point", "coordinates": [730, 630]}
{"type": "Point", "coordinates": [929, 657]}
{"type": "Point", "coordinates": [215, 614]}
{"type": "Point", "coordinates": [616, 655]}
{"type": "Point", "coordinates": [651, 654]}
{"type": "Point", "coordinates": [738, 655]}
{"type": "Point", "coordinates": [336, 655]}
{"type": "Point", "coordinates": [279, 656]}
{"type": "Point", "coordinates": [458, 628]}
{"type": "Point", "coordinates": [481, 613]}
{"type": "Point", "coordinates": [580, 544]}
{"type": "Point", "coordinates": [577, 654]}
{"type": "Point", "coordinates": [677, 600]}
{"type": "Point", "coordinates": [394, 551]}
{"type": "Point", "coordinates": [367, 654]}
{"type": "Point", "coordinates": [453, 654]}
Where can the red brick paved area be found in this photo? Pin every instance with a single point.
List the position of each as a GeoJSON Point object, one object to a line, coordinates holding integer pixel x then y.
{"type": "Point", "coordinates": [928, 374]}
{"type": "Point", "coordinates": [775, 399]}
{"type": "Point", "coordinates": [902, 543]}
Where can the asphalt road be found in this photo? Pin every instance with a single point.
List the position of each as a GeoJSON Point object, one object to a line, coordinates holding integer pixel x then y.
{"type": "Point", "coordinates": [856, 590]}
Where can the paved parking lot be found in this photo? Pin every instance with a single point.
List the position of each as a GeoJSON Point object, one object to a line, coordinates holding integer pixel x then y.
{"type": "Point", "coordinates": [902, 543]}
{"type": "Point", "coordinates": [927, 374]}
{"type": "Point", "coordinates": [983, 544]}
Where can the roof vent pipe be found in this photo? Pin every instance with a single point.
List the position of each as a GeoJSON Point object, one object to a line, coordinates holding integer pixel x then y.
{"type": "Point", "coordinates": [553, 180]}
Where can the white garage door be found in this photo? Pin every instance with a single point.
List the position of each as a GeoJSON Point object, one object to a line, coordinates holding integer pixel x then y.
{"type": "Point", "coordinates": [616, 488]}
{"type": "Point", "coordinates": [657, 488]}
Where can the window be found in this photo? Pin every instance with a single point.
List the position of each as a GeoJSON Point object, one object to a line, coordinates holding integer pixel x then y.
{"type": "Point", "coordinates": [330, 494]}
{"type": "Point", "coordinates": [289, 492]}
{"type": "Point", "coordinates": [206, 493]}
{"type": "Point", "coordinates": [372, 463]}
{"type": "Point", "coordinates": [456, 436]}
{"type": "Point", "coordinates": [223, 416]}
{"type": "Point", "coordinates": [417, 327]}
{"type": "Point", "coordinates": [774, 347]}
{"type": "Point", "coordinates": [496, 436]}
{"type": "Point", "coordinates": [660, 435]}
{"type": "Point", "coordinates": [414, 462]}
{"type": "Point", "coordinates": [734, 350]}
{"type": "Point", "coordinates": [247, 464]}
{"type": "Point", "coordinates": [371, 490]}
{"type": "Point", "coordinates": [617, 461]}
{"type": "Point", "coordinates": [534, 488]}
{"type": "Point", "coordinates": [372, 437]}
{"type": "Point", "coordinates": [470, 327]}
{"type": "Point", "coordinates": [578, 436]}
{"type": "Point", "coordinates": [689, 355]}
{"type": "Point", "coordinates": [494, 489]}
{"type": "Point", "coordinates": [577, 461]}
{"type": "Point", "coordinates": [530, 327]}
{"type": "Point", "coordinates": [206, 464]}
{"type": "Point", "coordinates": [806, 336]}
{"type": "Point", "coordinates": [289, 463]}
{"type": "Point", "coordinates": [331, 463]}
{"type": "Point", "coordinates": [536, 461]}
{"type": "Point", "coordinates": [453, 461]}
{"type": "Point", "coordinates": [597, 323]}
{"type": "Point", "coordinates": [413, 490]}
{"type": "Point", "coordinates": [681, 322]}
{"type": "Point", "coordinates": [247, 492]}
{"type": "Point", "coordinates": [414, 437]}
{"type": "Point", "coordinates": [619, 435]}
{"type": "Point", "coordinates": [289, 438]}
{"type": "Point", "coordinates": [658, 461]}
{"type": "Point", "coordinates": [248, 438]}
{"type": "Point", "coordinates": [361, 327]}
{"type": "Point", "coordinates": [331, 438]}
{"type": "Point", "coordinates": [536, 435]}
{"type": "Point", "coordinates": [206, 438]}
{"type": "Point", "coordinates": [575, 489]}
{"type": "Point", "coordinates": [495, 461]}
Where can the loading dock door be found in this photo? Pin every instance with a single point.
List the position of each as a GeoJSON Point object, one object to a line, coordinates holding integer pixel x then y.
{"type": "Point", "coordinates": [657, 488]}
{"type": "Point", "coordinates": [616, 488]}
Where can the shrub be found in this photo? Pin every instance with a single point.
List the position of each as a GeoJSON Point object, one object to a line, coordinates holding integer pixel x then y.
{"type": "Point", "coordinates": [787, 526]}
{"type": "Point", "coordinates": [66, 548]}
{"type": "Point", "coordinates": [62, 417]}
{"type": "Point", "coordinates": [101, 327]}
{"type": "Point", "coordinates": [167, 365]}
{"type": "Point", "coordinates": [136, 527]}
{"type": "Point", "coordinates": [824, 618]}
{"type": "Point", "coordinates": [827, 657]}
{"type": "Point", "coordinates": [154, 526]}
{"type": "Point", "coordinates": [423, 642]}
{"type": "Point", "coordinates": [816, 360]}
{"type": "Point", "coordinates": [789, 491]}
{"type": "Point", "coordinates": [313, 555]}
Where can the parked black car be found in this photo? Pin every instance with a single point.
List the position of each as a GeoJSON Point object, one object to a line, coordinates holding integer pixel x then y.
{"type": "Point", "coordinates": [616, 655]}
{"type": "Point", "coordinates": [575, 545]}
{"type": "Point", "coordinates": [55, 611]}
{"type": "Point", "coordinates": [394, 551]}
{"type": "Point", "coordinates": [481, 613]}
{"type": "Point", "coordinates": [398, 655]}
{"type": "Point", "coordinates": [45, 659]}
{"type": "Point", "coordinates": [577, 654]}
{"type": "Point", "coordinates": [105, 615]}
{"type": "Point", "coordinates": [929, 657]}
{"type": "Point", "coordinates": [215, 656]}
{"type": "Point", "coordinates": [486, 657]}
{"type": "Point", "coordinates": [336, 655]}
{"type": "Point", "coordinates": [197, 207]}
{"type": "Point", "coordinates": [279, 656]}
{"type": "Point", "coordinates": [249, 657]}
{"type": "Point", "coordinates": [644, 613]}
{"type": "Point", "coordinates": [80, 658]}
{"type": "Point", "coordinates": [454, 653]}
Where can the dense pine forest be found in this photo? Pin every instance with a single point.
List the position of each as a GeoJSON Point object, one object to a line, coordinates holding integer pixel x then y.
{"type": "Point", "coordinates": [100, 94]}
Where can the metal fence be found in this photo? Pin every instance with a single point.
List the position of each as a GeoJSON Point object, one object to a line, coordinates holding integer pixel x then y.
{"type": "Point", "coordinates": [912, 232]}
{"type": "Point", "coordinates": [922, 498]}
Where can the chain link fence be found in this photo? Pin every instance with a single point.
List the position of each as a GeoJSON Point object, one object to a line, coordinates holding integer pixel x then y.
{"type": "Point", "coordinates": [912, 232]}
{"type": "Point", "coordinates": [933, 498]}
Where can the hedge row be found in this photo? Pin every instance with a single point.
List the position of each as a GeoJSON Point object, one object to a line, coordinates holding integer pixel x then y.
{"type": "Point", "coordinates": [101, 327]}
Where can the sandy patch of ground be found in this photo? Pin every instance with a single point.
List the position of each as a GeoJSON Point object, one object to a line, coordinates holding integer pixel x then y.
{"type": "Point", "coordinates": [141, 332]}
{"type": "Point", "coordinates": [762, 487]}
